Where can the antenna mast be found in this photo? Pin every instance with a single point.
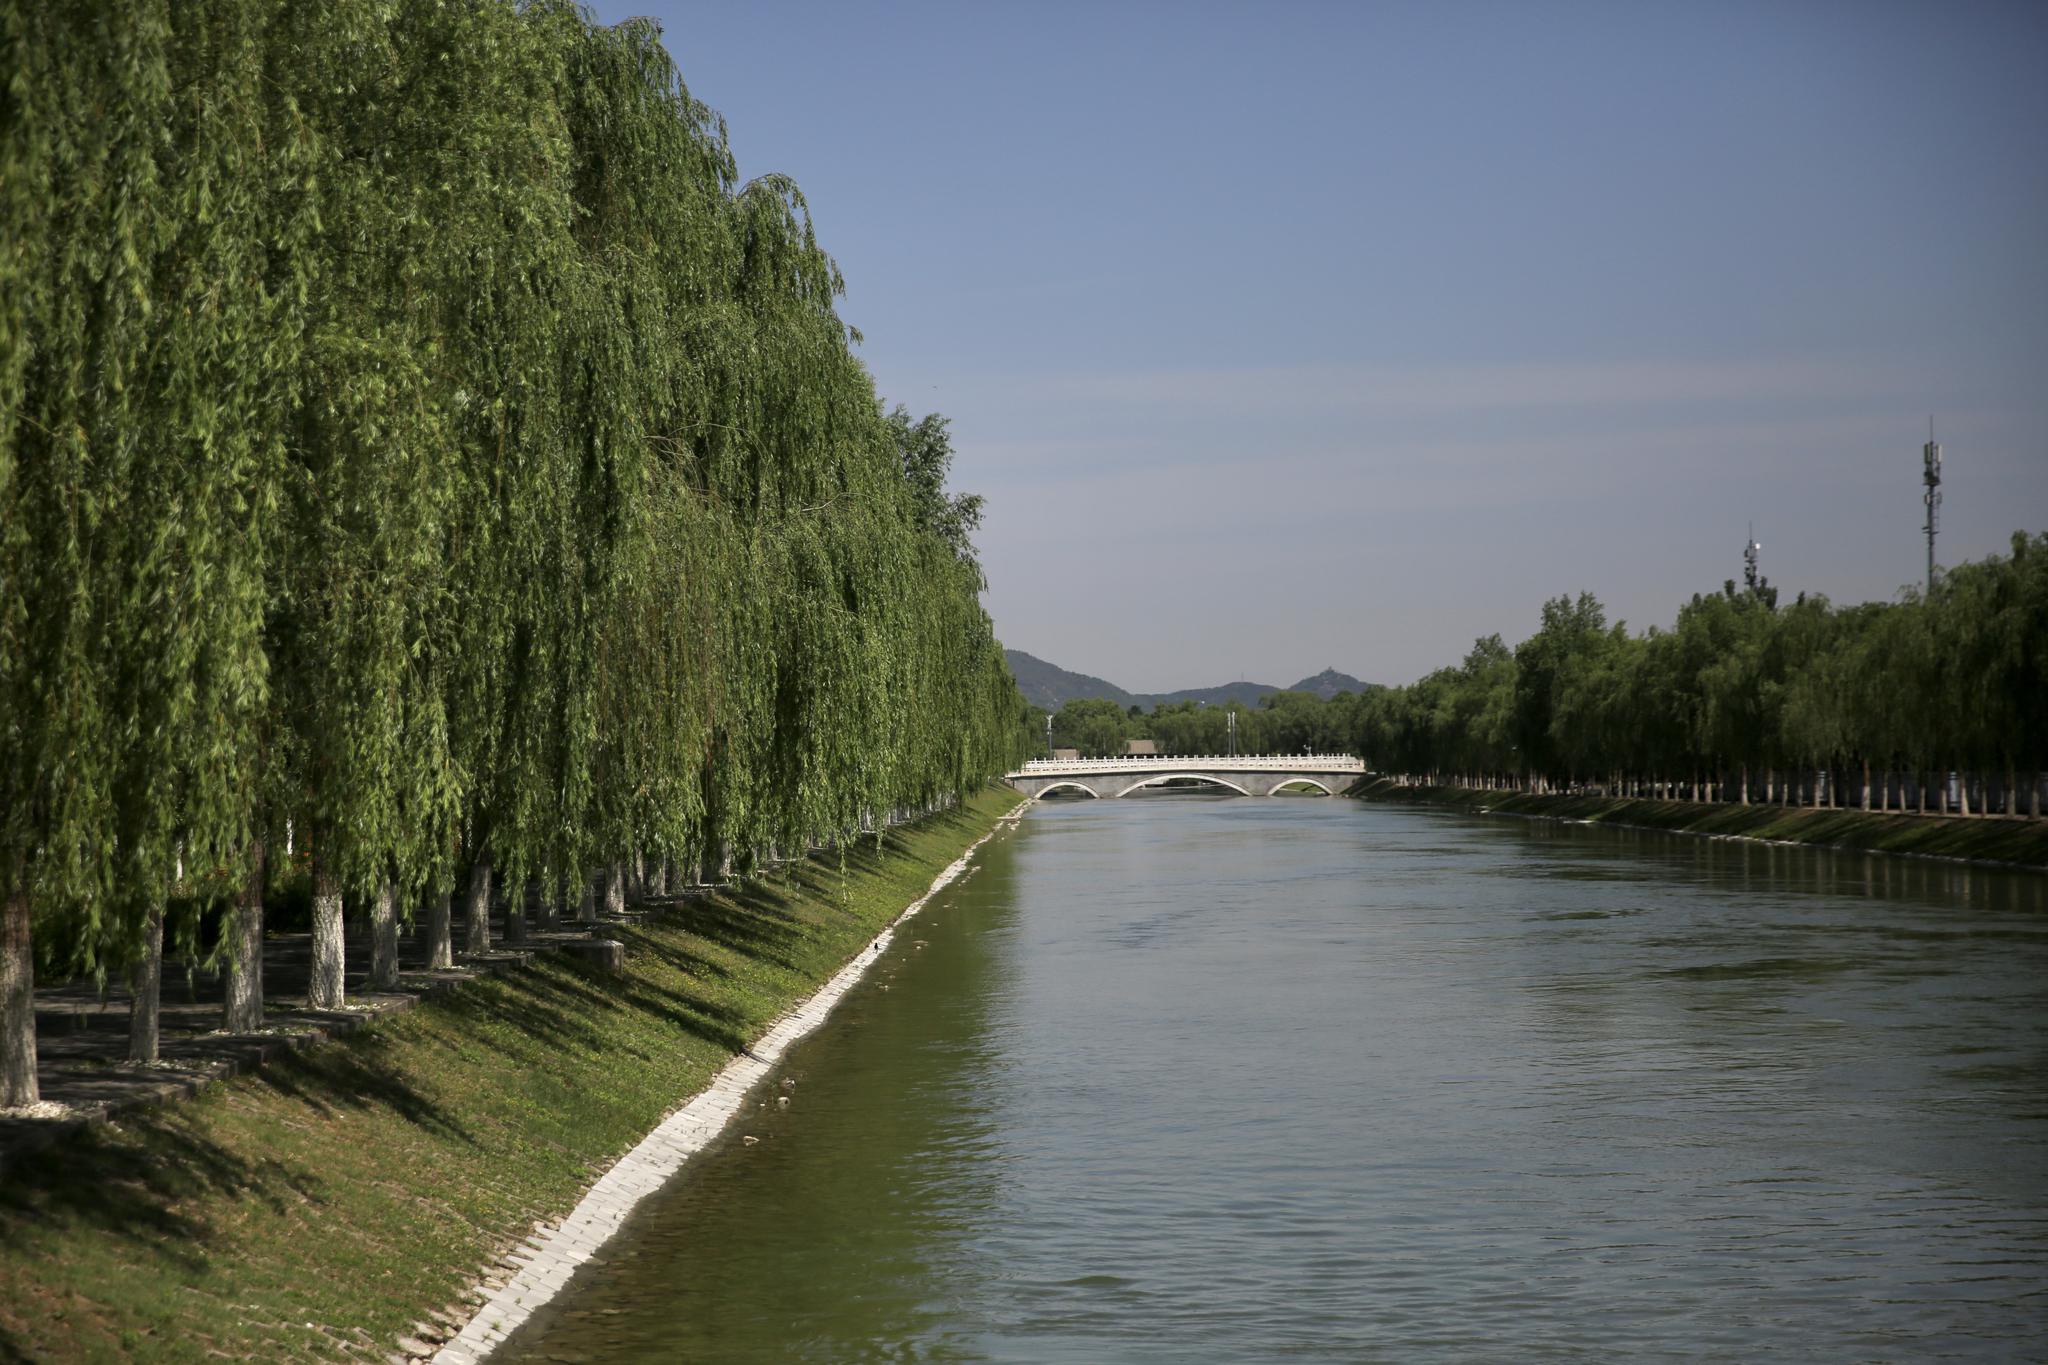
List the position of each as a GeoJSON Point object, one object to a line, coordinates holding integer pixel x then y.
{"type": "Point", "coordinates": [1931, 454]}
{"type": "Point", "coordinates": [1749, 551]}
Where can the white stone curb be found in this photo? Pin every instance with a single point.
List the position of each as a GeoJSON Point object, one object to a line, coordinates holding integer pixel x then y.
{"type": "Point", "coordinates": [549, 1258]}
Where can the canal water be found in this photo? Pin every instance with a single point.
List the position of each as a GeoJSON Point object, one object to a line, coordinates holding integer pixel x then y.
{"type": "Point", "coordinates": [1198, 1079]}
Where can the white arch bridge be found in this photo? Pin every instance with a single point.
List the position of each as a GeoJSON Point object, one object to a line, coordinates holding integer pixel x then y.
{"type": "Point", "coordinates": [1260, 775]}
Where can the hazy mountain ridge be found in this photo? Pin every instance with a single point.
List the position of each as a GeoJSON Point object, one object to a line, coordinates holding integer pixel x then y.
{"type": "Point", "coordinates": [1049, 685]}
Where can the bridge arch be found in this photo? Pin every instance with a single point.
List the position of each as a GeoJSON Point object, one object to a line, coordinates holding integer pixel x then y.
{"type": "Point", "coordinates": [1072, 784]}
{"type": "Point", "coordinates": [1206, 779]}
{"type": "Point", "coordinates": [1293, 780]}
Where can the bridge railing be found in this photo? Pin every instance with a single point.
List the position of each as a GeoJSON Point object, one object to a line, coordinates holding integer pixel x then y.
{"type": "Point", "coordinates": [1225, 762]}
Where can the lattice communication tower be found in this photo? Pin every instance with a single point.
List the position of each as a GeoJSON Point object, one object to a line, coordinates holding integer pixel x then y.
{"type": "Point", "coordinates": [1931, 454]}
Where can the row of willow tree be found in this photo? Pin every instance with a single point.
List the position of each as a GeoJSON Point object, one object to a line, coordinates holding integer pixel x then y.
{"type": "Point", "coordinates": [1937, 701]}
{"type": "Point", "coordinates": [416, 443]}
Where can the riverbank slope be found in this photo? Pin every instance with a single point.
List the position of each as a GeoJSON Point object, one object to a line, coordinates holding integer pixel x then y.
{"type": "Point", "coordinates": [2024, 842]}
{"type": "Point", "coordinates": [337, 1202]}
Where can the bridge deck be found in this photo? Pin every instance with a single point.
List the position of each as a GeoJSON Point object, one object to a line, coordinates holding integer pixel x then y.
{"type": "Point", "coordinates": [1245, 774]}
{"type": "Point", "coordinates": [1193, 764]}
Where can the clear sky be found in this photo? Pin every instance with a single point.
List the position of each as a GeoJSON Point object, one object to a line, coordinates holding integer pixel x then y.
{"type": "Point", "coordinates": [1290, 335]}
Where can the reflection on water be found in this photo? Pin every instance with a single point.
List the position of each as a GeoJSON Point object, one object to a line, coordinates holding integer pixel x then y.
{"type": "Point", "coordinates": [1188, 1079]}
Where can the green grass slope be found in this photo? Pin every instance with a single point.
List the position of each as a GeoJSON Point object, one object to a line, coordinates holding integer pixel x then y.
{"type": "Point", "coordinates": [319, 1208]}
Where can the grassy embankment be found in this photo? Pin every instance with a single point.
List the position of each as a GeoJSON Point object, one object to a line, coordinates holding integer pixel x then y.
{"type": "Point", "coordinates": [322, 1206]}
{"type": "Point", "coordinates": [1995, 840]}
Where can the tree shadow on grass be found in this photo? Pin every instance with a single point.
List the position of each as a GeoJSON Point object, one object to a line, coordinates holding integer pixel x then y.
{"type": "Point", "coordinates": [139, 1183]}
{"type": "Point", "coordinates": [149, 1177]}
{"type": "Point", "coordinates": [752, 922]}
{"type": "Point", "coordinates": [721, 1026]}
{"type": "Point", "coordinates": [544, 1011]}
{"type": "Point", "coordinates": [357, 1073]}
{"type": "Point", "coordinates": [568, 1006]}
{"type": "Point", "coordinates": [755, 918]}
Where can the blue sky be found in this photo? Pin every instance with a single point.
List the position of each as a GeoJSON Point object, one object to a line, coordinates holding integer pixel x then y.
{"type": "Point", "coordinates": [1290, 335]}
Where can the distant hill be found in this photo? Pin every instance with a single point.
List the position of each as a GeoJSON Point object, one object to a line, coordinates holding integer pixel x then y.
{"type": "Point", "coordinates": [1329, 683]}
{"type": "Point", "coordinates": [1247, 693]}
{"type": "Point", "coordinates": [1052, 687]}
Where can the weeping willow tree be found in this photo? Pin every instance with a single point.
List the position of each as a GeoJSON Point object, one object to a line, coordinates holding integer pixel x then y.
{"type": "Point", "coordinates": [143, 359]}
{"type": "Point", "coordinates": [414, 436]}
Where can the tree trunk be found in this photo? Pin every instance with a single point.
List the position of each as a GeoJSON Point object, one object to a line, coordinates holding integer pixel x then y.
{"type": "Point", "coordinates": [326, 987]}
{"type": "Point", "coordinates": [477, 905]}
{"type": "Point", "coordinates": [384, 937]}
{"type": "Point", "coordinates": [1745, 784]}
{"type": "Point", "coordinates": [146, 984]}
{"type": "Point", "coordinates": [517, 899]}
{"type": "Point", "coordinates": [615, 888]}
{"type": "Point", "coordinates": [242, 981]}
{"type": "Point", "coordinates": [586, 903]}
{"type": "Point", "coordinates": [17, 999]}
{"type": "Point", "coordinates": [440, 933]}
{"type": "Point", "coordinates": [1963, 791]}
{"type": "Point", "coordinates": [1866, 784]}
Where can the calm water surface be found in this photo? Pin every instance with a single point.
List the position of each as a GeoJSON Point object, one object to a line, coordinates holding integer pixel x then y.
{"type": "Point", "coordinates": [1185, 1079]}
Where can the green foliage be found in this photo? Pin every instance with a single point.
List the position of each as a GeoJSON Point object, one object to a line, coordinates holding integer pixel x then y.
{"type": "Point", "coordinates": [1742, 687]}
{"type": "Point", "coordinates": [412, 433]}
{"type": "Point", "coordinates": [926, 451]}
{"type": "Point", "coordinates": [1283, 722]}
{"type": "Point", "coordinates": [1097, 726]}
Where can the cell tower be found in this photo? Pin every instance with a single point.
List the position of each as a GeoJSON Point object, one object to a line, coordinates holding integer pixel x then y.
{"type": "Point", "coordinates": [1749, 552]}
{"type": "Point", "coordinates": [1931, 453]}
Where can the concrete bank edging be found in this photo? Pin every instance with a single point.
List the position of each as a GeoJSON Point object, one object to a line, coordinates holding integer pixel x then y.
{"type": "Point", "coordinates": [548, 1259]}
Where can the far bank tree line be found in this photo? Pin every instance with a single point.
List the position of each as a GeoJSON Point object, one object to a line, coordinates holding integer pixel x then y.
{"type": "Point", "coordinates": [417, 445]}
{"type": "Point", "coordinates": [1282, 722]}
{"type": "Point", "coordinates": [1929, 703]}
{"type": "Point", "coordinates": [1745, 699]}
